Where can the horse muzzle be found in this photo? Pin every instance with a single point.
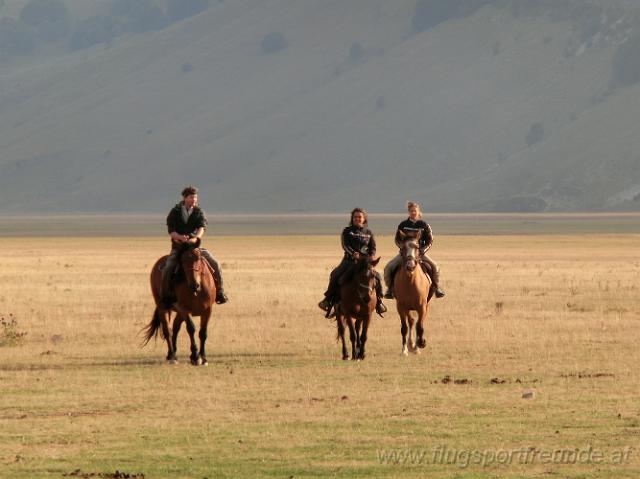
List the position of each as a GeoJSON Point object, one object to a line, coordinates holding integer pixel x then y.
{"type": "Point", "coordinates": [195, 287]}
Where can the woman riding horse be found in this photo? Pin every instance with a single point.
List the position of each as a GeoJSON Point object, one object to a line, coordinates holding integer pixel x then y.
{"type": "Point", "coordinates": [357, 241]}
{"type": "Point", "coordinates": [413, 226]}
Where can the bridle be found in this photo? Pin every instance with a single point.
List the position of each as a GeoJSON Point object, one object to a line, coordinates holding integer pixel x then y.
{"type": "Point", "coordinates": [198, 261]}
{"type": "Point", "coordinates": [409, 253]}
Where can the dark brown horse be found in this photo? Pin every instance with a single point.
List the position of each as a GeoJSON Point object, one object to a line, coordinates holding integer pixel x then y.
{"type": "Point", "coordinates": [195, 292]}
{"type": "Point", "coordinates": [413, 290]}
{"type": "Point", "coordinates": [357, 303]}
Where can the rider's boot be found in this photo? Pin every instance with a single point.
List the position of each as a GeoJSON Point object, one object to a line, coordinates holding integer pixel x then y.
{"type": "Point", "coordinates": [380, 307]}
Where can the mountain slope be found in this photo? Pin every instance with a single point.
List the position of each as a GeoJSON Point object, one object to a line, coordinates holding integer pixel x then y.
{"type": "Point", "coordinates": [441, 115]}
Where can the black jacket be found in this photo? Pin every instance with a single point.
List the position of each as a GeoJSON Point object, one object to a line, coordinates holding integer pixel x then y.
{"type": "Point", "coordinates": [408, 227]}
{"type": "Point", "coordinates": [197, 219]}
{"type": "Point", "coordinates": [358, 240]}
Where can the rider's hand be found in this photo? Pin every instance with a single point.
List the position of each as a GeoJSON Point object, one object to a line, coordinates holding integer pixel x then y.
{"type": "Point", "coordinates": [356, 256]}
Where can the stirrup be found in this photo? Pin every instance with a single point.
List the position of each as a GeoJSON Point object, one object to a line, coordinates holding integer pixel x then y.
{"type": "Point", "coordinates": [221, 298]}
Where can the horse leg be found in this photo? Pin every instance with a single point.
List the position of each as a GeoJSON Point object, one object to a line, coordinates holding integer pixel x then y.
{"type": "Point", "coordinates": [204, 322]}
{"type": "Point", "coordinates": [191, 329]}
{"type": "Point", "coordinates": [166, 332]}
{"type": "Point", "coordinates": [404, 330]}
{"type": "Point", "coordinates": [353, 338]}
{"type": "Point", "coordinates": [422, 314]}
{"type": "Point", "coordinates": [340, 324]}
{"type": "Point", "coordinates": [358, 324]}
{"type": "Point", "coordinates": [363, 336]}
{"type": "Point", "coordinates": [411, 340]}
{"type": "Point", "coordinates": [177, 323]}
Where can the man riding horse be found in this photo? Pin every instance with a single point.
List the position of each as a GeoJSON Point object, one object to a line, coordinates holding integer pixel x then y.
{"type": "Point", "coordinates": [186, 224]}
{"type": "Point", "coordinates": [410, 228]}
{"type": "Point", "coordinates": [357, 240]}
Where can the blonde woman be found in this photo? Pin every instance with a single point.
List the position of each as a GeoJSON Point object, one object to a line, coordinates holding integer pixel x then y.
{"type": "Point", "coordinates": [411, 226]}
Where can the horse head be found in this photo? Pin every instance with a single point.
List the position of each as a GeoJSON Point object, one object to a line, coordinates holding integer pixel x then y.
{"type": "Point", "coordinates": [365, 277]}
{"type": "Point", "coordinates": [193, 265]}
{"type": "Point", "coordinates": [410, 251]}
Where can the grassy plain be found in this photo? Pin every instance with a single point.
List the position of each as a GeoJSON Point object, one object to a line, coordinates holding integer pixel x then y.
{"type": "Point", "coordinates": [556, 315]}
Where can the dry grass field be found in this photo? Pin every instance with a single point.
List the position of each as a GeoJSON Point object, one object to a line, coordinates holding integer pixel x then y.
{"type": "Point", "coordinates": [553, 318]}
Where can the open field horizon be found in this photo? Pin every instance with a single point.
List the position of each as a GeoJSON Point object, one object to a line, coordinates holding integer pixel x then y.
{"type": "Point", "coordinates": [554, 316]}
{"type": "Point", "coordinates": [153, 224]}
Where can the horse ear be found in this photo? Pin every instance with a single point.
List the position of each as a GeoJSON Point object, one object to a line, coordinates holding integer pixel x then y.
{"type": "Point", "coordinates": [375, 261]}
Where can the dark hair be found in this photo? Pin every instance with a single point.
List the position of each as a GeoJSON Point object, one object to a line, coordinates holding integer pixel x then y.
{"type": "Point", "coordinates": [364, 213]}
{"type": "Point", "coordinates": [189, 190]}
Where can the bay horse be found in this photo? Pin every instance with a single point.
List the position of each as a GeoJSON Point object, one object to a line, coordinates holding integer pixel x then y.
{"type": "Point", "coordinates": [356, 306]}
{"type": "Point", "coordinates": [413, 290]}
{"type": "Point", "coordinates": [195, 292]}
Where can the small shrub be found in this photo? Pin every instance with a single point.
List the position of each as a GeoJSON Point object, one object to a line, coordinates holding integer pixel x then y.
{"type": "Point", "coordinates": [356, 52]}
{"type": "Point", "coordinates": [535, 134]}
{"type": "Point", "coordinates": [273, 42]}
{"type": "Point", "coordinates": [9, 333]}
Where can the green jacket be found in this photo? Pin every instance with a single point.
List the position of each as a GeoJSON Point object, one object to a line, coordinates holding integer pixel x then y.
{"type": "Point", "coordinates": [197, 219]}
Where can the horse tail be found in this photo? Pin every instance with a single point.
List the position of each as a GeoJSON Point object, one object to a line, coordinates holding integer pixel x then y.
{"type": "Point", "coordinates": [151, 330]}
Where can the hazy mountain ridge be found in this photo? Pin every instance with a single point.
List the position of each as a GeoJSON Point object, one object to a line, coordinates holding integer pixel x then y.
{"type": "Point", "coordinates": [358, 108]}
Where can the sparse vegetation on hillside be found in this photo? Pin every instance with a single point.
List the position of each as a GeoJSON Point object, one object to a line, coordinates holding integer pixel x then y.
{"type": "Point", "coordinates": [626, 63]}
{"type": "Point", "coordinates": [94, 30]}
{"type": "Point", "coordinates": [49, 18]}
{"type": "Point", "coordinates": [181, 9]}
{"type": "Point", "coordinates": [15, 38]}
{"type": "Point", "coordinates": [139, 16]}
{"type": "Point", "coordinates": [430, 13]}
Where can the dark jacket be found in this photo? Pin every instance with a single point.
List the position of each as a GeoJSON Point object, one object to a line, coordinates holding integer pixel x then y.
{"type": "Point", "coordinates": [197, 219]}
{"type": "Point", "coordinates": [358, 240]}
{"type": "Point", "coordinates": [410, 228]}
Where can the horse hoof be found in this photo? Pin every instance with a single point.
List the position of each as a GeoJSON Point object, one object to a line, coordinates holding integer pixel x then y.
{"type": "Point", "coordinates": [172, 361]}
{"type": "Point", "coordinates": [422, 343]}
{"type": "Point", "coordinates": [416, 351]}
{"type": "Point", "coordinates": [345, 358]}
{"type": "Point", "coordinates": [203, 361]}
{"type": "Point", "coordinates": [195, 362]}
{"type": "Point", "coordinates": [405, 352]}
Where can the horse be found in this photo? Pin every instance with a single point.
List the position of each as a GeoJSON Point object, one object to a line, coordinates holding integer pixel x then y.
{"type": "Point", "coordinates": [195, 292]}
{"type": "Point", "coordinates": [413, 290]}
{"type": "Point", "coordinates": [357, 303]}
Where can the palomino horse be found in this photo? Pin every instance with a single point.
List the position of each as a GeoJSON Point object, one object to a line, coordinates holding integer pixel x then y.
{"type": "Point", "coordinates": [195, 293]}
{"type": "Point", "coordinates": [412, 290]}
{"type": "Point", "coordinates": [357, 303]}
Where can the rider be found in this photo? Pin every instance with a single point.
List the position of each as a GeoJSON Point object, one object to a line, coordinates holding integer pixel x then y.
{"type": "Point", "coordinates": [186, 223]}
{"type": "Point", "coordinates": [357, 240]}
{"type": "Point", "coordinates": [411, 226]}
